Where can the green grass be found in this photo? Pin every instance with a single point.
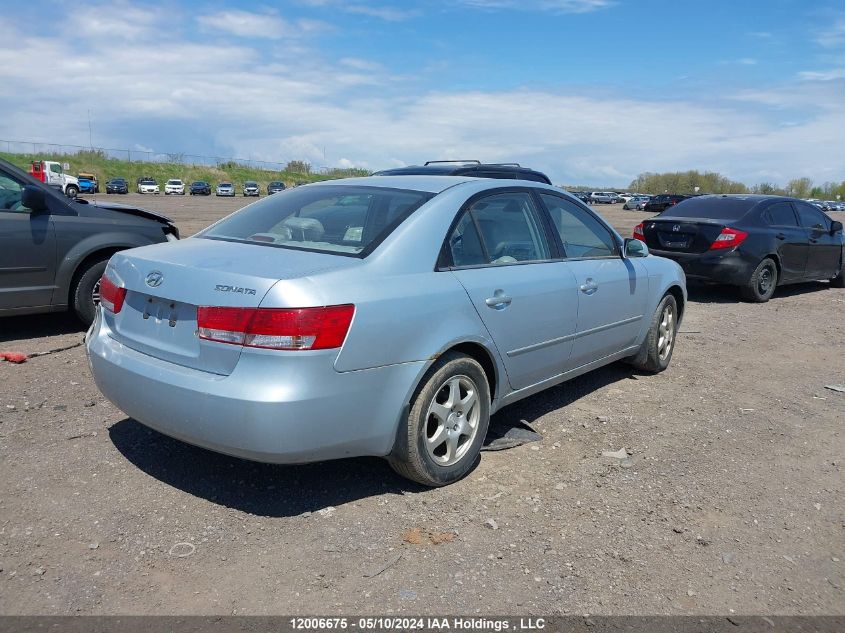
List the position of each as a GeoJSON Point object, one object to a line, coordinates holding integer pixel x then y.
{"type": "Point", "coordinates": [106, 168]}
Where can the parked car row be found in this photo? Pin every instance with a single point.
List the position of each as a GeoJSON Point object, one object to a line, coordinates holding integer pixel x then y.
{"type": "Point", "coordinates": [176, 187]}
{"type": "Point", "coordinates": [828, 205]}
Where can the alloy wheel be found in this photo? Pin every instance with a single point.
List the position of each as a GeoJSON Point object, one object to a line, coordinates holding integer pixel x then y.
{"type": "Point", "coordinates": [451, 423]}
{"type": "Point", "coordinates": [666, 332]}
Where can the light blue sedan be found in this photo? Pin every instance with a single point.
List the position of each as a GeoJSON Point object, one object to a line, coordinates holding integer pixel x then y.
{"type": "Point", "coordinates": [388, 316]}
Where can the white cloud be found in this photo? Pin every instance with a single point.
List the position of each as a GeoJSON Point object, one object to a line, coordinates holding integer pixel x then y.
{"type": "Point", "coordinates": [556, 6]}
{"type": "Point", "coordinates": [832, 35]}
{"type": "Point", "coordinates": [822, 75]}
{"type": "Point", "coordinates": [382, 12]}
{"type": "Point", "coordinates": [256, 25]}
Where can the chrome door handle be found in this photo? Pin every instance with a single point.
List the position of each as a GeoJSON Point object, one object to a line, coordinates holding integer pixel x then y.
{"type": "Point", "coordinates": [590, 287]}
{"type": "Point", "coordinates": [499, 300]}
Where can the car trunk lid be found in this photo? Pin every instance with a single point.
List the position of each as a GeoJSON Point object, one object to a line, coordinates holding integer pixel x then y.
{"type": "Point", "coordinates": [166, 283]}
{"type": "Point", "coordinates": [683, 235]}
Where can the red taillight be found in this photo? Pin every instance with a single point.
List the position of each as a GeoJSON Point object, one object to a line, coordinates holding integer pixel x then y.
{"type": "Point", "coordinates": [276, 328]}
{"type": "Point", "coordinates": [111, 295]}
{"type": "Point", "coordinates": [728, 238]}
{"type": "Point", "coordinates": [638, 232]}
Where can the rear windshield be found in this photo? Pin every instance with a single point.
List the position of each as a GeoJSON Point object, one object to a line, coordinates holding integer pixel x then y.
{"type": "Point", "coordinates": [712, 208]}
{"type": "Point", "coordinates": [329, 219]}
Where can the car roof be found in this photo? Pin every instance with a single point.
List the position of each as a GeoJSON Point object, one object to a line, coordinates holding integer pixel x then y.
{"type": "Point", "coordinates": [463, 169]}
{"type": "Point", "coordinates": [430, 184]}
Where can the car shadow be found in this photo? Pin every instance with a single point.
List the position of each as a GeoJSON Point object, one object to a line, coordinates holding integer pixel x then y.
{"type": "Point", "coordinates": [714, 293]}
{"type": "Point", "coordinates": [271, 490]}
{"type": "Point", "coordinates": [275, 490]}
{"type": "Point", "coordinates": [555, 398]}
{"type": "Point", "coordinates": [39, 325]}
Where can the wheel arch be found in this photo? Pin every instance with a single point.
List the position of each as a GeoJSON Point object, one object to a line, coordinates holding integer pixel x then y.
{"type": "Point", "coordinates": [97, 246]}
{"type": "Point", "coordinates": [485, 359]}
{"type": "Point", "coordinates": [678, 294]}
{"type": "Point", "coordinates": [88, 260]}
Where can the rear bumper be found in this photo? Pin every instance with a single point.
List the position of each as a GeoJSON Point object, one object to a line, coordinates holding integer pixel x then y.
{"type": "Point", "coordinates": [723, 267]}
{"type": "Point", "coordinates": [274, 407]}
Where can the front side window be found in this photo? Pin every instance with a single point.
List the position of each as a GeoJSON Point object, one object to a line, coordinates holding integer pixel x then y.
{"type": "Point", "coordinates": [811, 217]}
{"type": "Point", "coordinates": [499, 229]}
{"type": "Point", "coordinates": [338, 219]}
{"type": "Point", "coordinates": [11, 191]}
{"type": "Point", "coordinates": [781, 214]}
{"type": "Point", "coordinates": [581, 234]}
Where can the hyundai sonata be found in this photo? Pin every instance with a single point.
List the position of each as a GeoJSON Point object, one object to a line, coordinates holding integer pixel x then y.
{"type": "Point", "coordinates": [389, 316]}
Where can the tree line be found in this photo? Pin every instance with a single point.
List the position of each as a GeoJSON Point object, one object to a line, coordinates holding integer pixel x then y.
{"type": "Point", "coordinates": [694, 181]}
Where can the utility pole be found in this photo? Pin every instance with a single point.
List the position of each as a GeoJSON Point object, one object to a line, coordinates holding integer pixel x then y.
{"type": "Point", "coordinates": [90, 135]}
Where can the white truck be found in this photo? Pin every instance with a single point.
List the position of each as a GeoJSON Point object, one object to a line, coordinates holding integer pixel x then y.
{"type": "Point", "coordinates": [51, 173]}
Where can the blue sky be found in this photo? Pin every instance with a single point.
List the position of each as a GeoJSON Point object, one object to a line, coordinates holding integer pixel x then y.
{"type": "Point", "coordinates": [590, 91]}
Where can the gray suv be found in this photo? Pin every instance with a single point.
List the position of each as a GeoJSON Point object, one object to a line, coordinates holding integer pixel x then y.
{"type": "Point", "coordinates": [53, 250]}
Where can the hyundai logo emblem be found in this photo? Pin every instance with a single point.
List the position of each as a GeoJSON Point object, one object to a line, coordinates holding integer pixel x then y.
{"type": "Point", "coordinates": [676, 227]}
{"type": "Point", "coordinates": [154, 279]}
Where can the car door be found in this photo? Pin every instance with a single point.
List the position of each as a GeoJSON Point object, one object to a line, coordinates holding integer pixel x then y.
{"type": "Point", "coordinates": [612, 291]}
{"type": "Point", "coordinates": [792, 240]}
{"type": "Point", "coordinates": [27, 250]}
{"type": "Point", "coordinates": [824, 250]}
{"type": "Point", "coordinates": [501, 253]}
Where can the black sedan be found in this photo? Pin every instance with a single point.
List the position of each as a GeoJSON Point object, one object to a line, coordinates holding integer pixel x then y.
{"type": "Point", "coordinates": [200, 188]}
{"type": "Point", "coordinates": [754, 242]}
{"type": "Point", "coordinates": [117, 185]}
{"type": "Point", "coordinates": [664, 201]}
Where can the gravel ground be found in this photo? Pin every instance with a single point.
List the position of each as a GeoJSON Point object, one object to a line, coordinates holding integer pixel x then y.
{"type": "Point", "coordinates": [731, 499]}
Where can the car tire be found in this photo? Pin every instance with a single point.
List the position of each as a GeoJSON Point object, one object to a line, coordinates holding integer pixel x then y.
{"type": "Point", "coordinates": [86, 285]}
{"type": "Point", "coordinates": [763, 282]}
{"type": "Point", "coordinates": [71, 191]}
{"type": "Point", "coordinates": [445, 390]}
{"type": "Point", "coordinates": [839, 280]}
{"type": "Point", "coordinates": [655, 353]}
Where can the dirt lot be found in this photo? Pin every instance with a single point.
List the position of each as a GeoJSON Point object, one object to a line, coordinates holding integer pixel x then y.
{"type": "Point", "coordinates": [731, 501]}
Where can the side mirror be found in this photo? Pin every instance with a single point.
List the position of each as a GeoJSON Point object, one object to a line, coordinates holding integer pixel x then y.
{"type": "Point", "coordinates": [634, 248]}
{"type": "Point", "coordinates": [32, 198]}
{"type": "Point", "coordinates": [835, 227]}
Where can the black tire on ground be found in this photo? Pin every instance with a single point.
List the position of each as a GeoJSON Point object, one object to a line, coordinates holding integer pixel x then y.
{"type": "Point", "coordinates": [449, 384]}
{"type": "Point", "coordinates": [71, 191]}
{"type": "Point", "coordinates": [839, 280]}
{"type": "Point", "coordinates": [763, 282]}
{"type": "Point", "coordinates": [655, 353]}
{"type": "Point", "coordinates": [82, 293]}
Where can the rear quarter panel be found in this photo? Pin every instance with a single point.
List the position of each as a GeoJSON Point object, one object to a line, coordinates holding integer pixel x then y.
{"type": "Point", "coordinates": [398, 318]}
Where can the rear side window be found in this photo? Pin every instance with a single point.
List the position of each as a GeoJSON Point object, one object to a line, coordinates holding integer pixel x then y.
{"type": "Point", "coordinates": [780, 214]}
{"type": "Point", "coordinates": [581, 234]}
{"type": "Point", "coordinates": [331, 219]}
{"type": "Point", "coordinates": [499, 229]}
